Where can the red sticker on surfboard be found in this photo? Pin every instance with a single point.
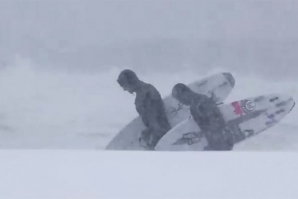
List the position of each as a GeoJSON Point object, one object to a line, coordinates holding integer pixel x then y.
{"type": "Point", "coordinates": [237, 108]}
{"type": "Point", "coordinates": [243, 107]}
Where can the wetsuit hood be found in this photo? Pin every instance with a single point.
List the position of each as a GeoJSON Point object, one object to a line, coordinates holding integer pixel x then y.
{"type": "Point", "coordinates": [128, 79]}
{"type": "Point", "coordinates": [182, 93]}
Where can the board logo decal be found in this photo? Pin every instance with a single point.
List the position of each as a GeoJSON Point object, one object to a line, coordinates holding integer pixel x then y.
{"type": "Point", "coordinates": [188, 138]}
{"type": "Point", "coordinates": [223, 84]}
{"type": "Point", "coordinates": [248, 105]}
{"type": "Point", "coordinates": [174, 110]}
{"type": "Point", "coordinates": [271, 118]}
{"type": "Point", "coordinates": [280, 111]}
{"type": "Point", "coordinates": [258, 99]}
{"type": "Point", "coordinates": [199, 84]}
{"type": "Point", "coordinates": [248, 132]}
{"type": "Point", "coordinates": [274, 99]}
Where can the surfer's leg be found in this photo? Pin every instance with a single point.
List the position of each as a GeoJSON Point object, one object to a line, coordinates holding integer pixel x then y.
{"type": "Point", "coordinates": [228, 139]}
{"type": "Point", "coordinates": [155, 136]}
{"type": "Point", "coordinates": [151, 137]}
{"type": "Point", "coordinates": [145, 136]}
{"type": "Point", "coordinates": [223, 141]}
{"type": "Point", "coordinates": [220, 140]}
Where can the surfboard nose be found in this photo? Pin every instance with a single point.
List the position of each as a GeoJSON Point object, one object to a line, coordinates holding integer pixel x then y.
{"type": "Point", "coordinates": [230, 78]}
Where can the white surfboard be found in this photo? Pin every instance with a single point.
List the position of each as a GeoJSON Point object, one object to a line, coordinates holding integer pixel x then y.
{"type": "Point", "coordinates": [246, 118]}
{"type": "Point", "coordinates": [218, 85]}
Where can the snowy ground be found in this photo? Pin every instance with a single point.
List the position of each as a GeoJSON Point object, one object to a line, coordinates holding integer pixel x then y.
{"type": "Point", "coordinates": [48, 110]}
{"type": "Point", "coordinates": [97, 174]}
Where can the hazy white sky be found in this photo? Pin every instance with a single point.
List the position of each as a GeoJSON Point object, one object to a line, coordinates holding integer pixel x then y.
{"type": "Point", "coordinates": [81, 22]}
{"type": "Point", "coordinates": [41, 27]}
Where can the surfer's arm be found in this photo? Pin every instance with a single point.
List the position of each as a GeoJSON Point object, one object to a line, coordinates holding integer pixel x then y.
{"type": "Point", "coordinates": [152, 102]}
{"type": "Point", "coordinates": [143, 105]}
{"type": "Point", "coordinates": [148, 108]}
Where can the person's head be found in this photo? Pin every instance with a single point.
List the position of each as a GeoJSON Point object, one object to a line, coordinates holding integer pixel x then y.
{"type": "Point", "coordinates": [128, 80]}
{"type": "Point", "coordinates": [182, 93]}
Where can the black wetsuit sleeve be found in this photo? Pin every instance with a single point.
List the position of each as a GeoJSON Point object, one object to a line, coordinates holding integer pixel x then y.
{"type": "Point", "coordinates": [148, 108]}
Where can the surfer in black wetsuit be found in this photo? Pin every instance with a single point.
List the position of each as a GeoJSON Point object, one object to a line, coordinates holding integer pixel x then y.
{"type": "Point", "coordinates": [207, 115]}
{"type": "Point", "coordinates": [149, 106]}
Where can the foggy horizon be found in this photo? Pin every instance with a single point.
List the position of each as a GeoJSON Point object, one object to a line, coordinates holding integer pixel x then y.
{"type": "Point", "coordinates": [253, 36]}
